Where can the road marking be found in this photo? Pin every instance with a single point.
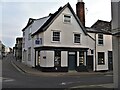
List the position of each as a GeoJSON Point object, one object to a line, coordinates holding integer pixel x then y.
{"type": "Point", "coordinates": [109, 85]}
{"type": "Point", "coordinates": [2, 79]}
{"type": "Point", "coordinates": [66, 83]}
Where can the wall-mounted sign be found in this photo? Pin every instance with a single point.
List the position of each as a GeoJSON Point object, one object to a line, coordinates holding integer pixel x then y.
{"type": "Point", "coordinates": [38, 41]}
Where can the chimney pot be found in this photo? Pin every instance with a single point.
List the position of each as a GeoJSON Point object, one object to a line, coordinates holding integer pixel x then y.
{"type": "Point", "coordinates": [80, 0]}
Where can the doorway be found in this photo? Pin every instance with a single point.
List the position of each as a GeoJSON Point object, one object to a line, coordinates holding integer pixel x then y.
{"type": "Point", "coordinates": [90, 62]}
{"type": "Point", "coordinates": [72, 61]}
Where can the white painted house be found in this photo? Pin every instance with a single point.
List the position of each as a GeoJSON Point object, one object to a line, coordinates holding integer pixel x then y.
{"type": "Point", "coordinates": [59, 42]}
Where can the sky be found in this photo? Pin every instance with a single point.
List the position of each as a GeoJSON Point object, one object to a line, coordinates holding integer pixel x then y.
{"type": "Point", "coordinates": [14, 14]}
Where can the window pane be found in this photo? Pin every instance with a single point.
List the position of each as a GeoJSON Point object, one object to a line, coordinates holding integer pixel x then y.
{"type": "Point", "coordinates": [56, 36]}
{"type": "Point", "coordinates": [100, 38]}
{"type": "Point", "coordinates": [81, 58]}
{"type": "Point", "coordinates": [57, 58]}
{"type": "Point", "coordinates": [76, 38]}
{"type": "Point", "coordinates": [101, 58]}
{"type": "Point", "coordinates": [67, 18]}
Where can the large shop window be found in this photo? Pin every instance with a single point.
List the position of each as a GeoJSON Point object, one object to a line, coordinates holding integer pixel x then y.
{"type": "Point", "coordinates": [81, 58]}
{"type": "Point", "coordinates": [56, 36]}
{"type": "Point", "coordinates": [101, 58]}
{"type": "Point", "coordinates": [57, 58]}
{"type": "Point", "coordinates": [100, 39]}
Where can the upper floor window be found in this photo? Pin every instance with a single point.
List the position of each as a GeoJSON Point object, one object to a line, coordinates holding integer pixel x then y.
{"type": "Point", "coordinates": [76, 38]}
{"type": "Point", "coordinates": [100, 39]}
{"type": "Point", "coordinates": [56, 36]}
{"type": "Point", "coordinates": [29, 34]}
{"type": "Point", "coordinates": [67, 18]}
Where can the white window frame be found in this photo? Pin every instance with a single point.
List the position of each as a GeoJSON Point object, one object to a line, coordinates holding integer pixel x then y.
{"type": "Point", "coordinates": [103, 59]}
{"type": "Point", "coordinates": [53, 36]}
{"type": "Point", "coordinates": [74, 38]}
{"type": "Point", "coordinates": [101, 39]}
{"type": "Point", "coordinates": [68, 16]}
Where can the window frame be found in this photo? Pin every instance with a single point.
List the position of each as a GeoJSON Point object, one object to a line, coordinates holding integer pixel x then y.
{"type": "Point", "coordinates": [70, 19]}
{"type": "Point", "coordinates": [81, 58]}
{"type": "Point", "coordinates": [52, 37]}
{"type": "Point", "coordinates": [100, 39]}
{"type": "Point", "coordinates": [74, 40]}
{"type": "Point", "coordinates": [100, 62]}
{"type": "Point", "coordinates": [57, 63]}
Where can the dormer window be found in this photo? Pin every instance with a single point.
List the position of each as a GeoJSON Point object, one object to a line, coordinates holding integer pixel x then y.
{"type": "Point", "coordinates": [67, 18]}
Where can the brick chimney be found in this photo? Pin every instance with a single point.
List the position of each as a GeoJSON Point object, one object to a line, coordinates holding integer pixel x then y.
{"type": "Point", "coordinates": [80, 11]}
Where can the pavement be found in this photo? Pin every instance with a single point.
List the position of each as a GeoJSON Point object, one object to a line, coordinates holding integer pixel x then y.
{"type": "Point", "coordinates": [33, 71]}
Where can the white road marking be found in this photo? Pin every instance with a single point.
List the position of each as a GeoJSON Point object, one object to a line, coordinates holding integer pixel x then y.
{"type": "Point", "coordinates": [66, 83]}
{"type": "Point", "coordinates": [109, 85]}
{"type": "Point", "coordinates": [2, 79]}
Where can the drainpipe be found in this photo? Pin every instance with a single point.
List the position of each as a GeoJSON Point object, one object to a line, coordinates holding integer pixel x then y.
{"type": "Point", "coordinates": [95, 53]}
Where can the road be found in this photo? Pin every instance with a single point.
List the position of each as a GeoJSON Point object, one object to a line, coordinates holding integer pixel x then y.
{"type": "Point", "coordinates": [12, 78]}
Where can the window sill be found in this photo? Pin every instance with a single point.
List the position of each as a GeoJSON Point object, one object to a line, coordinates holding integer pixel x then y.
{"type": "Point", "coordinates": [56, 42]}
{"type": "Point", "coordinates": [77, 43]}
{"type": "Point", "coordinates": [100, 44]}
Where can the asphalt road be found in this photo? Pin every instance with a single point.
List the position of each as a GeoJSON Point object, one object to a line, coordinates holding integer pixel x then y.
{"type": "Point", "coordinates": [12, 78]}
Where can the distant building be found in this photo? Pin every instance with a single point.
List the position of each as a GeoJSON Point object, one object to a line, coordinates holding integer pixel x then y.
{"type": "Point", "coordinates": [18, 48]}
{"type": "Point", "coordinates": [2, 50]}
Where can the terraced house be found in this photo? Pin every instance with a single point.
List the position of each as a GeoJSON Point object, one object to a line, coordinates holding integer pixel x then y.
{"type": "Point", "coordinates": [60, 42]}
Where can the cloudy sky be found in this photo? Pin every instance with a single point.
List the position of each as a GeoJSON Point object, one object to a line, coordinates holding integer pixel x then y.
{"type": "Point", "coordinates": [15, 14]}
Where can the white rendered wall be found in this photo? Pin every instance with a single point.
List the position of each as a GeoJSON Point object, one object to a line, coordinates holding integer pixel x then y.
{"type": "Point", "coordinates": [67, 32]}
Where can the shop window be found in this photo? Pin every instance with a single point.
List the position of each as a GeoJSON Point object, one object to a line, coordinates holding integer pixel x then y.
{"type": "Point", "coordinates": [81, 58]}
{"type": "Point", "coordinates": [101, 59]}
{"type": "Point", "coordinates": [57, 58]}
